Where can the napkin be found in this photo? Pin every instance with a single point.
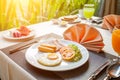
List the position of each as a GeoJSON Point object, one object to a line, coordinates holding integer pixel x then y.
{"type": "Point", "coordinates": [111, 22]}
{"type": "Point", "coordinates": [86, 35]}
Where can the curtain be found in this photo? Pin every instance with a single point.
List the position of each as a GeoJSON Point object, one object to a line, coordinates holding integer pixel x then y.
{"type": "Point", "coordinates": [99, 9]}
{"type": "Point", "coordinates": [109, 7]}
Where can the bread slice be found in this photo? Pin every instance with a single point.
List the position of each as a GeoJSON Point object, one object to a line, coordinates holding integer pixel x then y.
{"type": "Point", "coordinates": [49, 46]}
{"type": "Point", "coordinates": [70, 17]}
{"type": "Point", "coordinates": [46, 49]}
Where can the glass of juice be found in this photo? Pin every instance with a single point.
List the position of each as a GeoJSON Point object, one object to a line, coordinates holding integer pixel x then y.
{"type": "Point", "coordinates": [88, 11]}
{"type": "Point", "coordinates": [116, 41]}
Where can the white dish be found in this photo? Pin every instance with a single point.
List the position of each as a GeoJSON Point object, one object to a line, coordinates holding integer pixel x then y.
{"type": "Point", "coordinates": [7, 36]}
{"type": "Point", "coordinates": [77, 20]}
{"type": "Point", "coordinates": [32, 55]}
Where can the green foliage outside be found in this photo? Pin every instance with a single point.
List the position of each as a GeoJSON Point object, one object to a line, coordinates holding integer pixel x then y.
{"type": "Point", "coordinates": [14, 13]}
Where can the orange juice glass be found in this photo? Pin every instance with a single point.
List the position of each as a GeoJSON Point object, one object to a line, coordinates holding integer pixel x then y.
{"type": "Point", "coordinates": [116, 41]}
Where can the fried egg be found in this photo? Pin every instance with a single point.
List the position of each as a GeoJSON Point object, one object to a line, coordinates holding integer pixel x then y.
{"type": "Point", "coordinates": [50, 59]}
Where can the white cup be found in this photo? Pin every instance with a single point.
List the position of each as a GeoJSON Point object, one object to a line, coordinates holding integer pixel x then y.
{"type": "Point", "coordinates": [81, 13]}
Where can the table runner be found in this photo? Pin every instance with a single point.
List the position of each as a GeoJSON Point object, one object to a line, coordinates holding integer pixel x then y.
{"type": "Point", "coordinates": [81, 73]}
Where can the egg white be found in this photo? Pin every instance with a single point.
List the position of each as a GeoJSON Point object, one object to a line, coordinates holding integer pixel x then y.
{"type": "Point", "coordinates": [43, 59]}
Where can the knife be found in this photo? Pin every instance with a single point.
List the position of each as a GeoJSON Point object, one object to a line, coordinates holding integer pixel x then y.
{"type": "Point", "coordinates": [21, 45]}
{"type": "Point", "coordinates": [103, 66]}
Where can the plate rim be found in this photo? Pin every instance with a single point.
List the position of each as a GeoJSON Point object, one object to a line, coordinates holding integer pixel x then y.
{"type": "Point", "coordinates": [6, 33]}
{"type": "Point", "coordinates": [65, 69]}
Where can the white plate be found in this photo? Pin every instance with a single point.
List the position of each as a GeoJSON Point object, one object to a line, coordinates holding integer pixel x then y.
{"type": "Point", "coordinates": [74, 21]}
{"type": "Point", "coordinates": [32, 55]}
{"type": "Point", "coordinates": [7, 36]}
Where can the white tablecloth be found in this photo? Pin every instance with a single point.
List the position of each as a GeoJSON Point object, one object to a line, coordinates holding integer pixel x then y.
{"type": "Point", "coordinates": [9, 70]}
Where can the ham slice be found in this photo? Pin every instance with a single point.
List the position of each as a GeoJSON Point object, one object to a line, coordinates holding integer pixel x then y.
{"type": "Point", "coordinates": [15, 34]}
{"type": "Point", "coordinates": [24, 30]}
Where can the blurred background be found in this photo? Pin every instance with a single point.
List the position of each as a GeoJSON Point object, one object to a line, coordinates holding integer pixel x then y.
{"type": "Point", "coordinates": [14, 13]}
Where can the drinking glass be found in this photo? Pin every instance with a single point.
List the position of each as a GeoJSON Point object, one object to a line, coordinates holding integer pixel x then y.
{"type": "Point", "coordinates": [116, 41]}
{"type": "Point", "coordinates": [88, 11]}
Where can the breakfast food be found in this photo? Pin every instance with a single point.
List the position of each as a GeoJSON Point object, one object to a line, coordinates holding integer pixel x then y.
{"type": "Point", "coordinates": [15, 34]}
{"type": "Point", "coordinates": [63, 23]}
{"type": "Point", "coordinates": [22, 31]}
{"type": "Point", "coordinates": [53, 52]}
{"type": "Point", "coordinates": [50, 59]}
{"type": "Point", "coordinates": [65, 48]}
{"type": "Point", "coordinates": [52, 56]}
{"type": "Point", "coordinates": [50, 46]}
{"type": "Point", "coordinates": [47, 48]}
{"type": "Point", "coordinates": [78, 54]}
{"type": "Point", "coordinates": [58, 44]}
{"type": "Point", "coordinates": [67, 53]}
{"type": "Point", "coordinates": [70, 53]}
{"type": "Point", "coordinates": [70, 18]}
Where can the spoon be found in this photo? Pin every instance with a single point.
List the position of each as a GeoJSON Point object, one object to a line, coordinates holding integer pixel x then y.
{"type": "Point", "coordinates": [113, 71]}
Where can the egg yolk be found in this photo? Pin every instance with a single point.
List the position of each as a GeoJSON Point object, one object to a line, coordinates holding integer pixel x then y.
{"type": "Point", "coordinates": [52, 56]}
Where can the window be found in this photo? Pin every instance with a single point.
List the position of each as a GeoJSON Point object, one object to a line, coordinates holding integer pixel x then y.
{"type": "Point", "coordinates": [14, 13]}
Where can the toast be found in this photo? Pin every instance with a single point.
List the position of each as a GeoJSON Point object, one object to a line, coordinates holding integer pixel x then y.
{"type": "Point", "coordinates": [47, 48]}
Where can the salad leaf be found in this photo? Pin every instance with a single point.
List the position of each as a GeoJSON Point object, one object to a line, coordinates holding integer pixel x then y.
{"type": "Point", "coordinates": [78, 55]}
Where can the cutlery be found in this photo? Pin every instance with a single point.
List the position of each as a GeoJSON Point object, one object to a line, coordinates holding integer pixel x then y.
{"type": "Point", "coordinates": [21, 46]}
{"type": "Point", "coordinates": [103, 66]}
{"type": "Point", "coordinates": [113, 71]}
{"type": "Point", "coordinates": [24, 45]}
{"type": "Point", "coordinates": [97, 21]}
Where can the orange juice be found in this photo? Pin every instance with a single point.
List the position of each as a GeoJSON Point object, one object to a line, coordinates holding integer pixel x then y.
{"type": "Point", "coordinates": [116, 40]}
